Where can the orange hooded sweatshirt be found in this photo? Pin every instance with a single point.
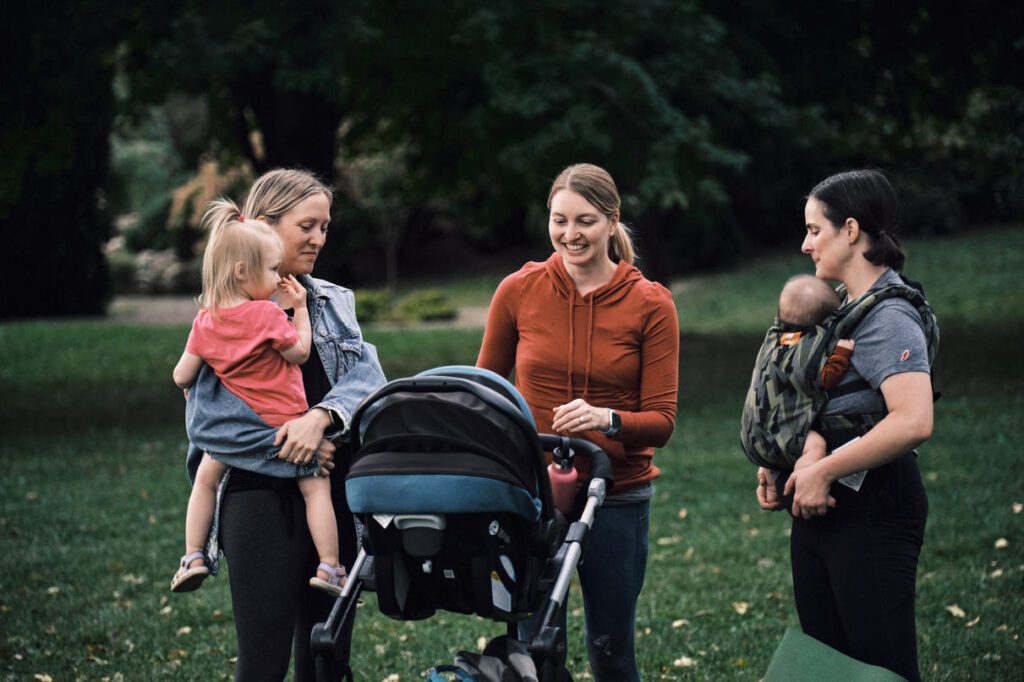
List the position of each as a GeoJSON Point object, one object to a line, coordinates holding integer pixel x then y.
{"type": "Point", "coordinates": [616, 347]}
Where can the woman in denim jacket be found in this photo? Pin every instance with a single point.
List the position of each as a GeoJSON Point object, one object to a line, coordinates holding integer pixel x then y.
{"type": "Point", "coordinates": [260, 519]}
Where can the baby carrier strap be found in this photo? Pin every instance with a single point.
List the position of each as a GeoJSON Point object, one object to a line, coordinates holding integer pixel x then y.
{"type": "Point", "coordinates": [837, 429]}
{"type": "Point", "coordinates": [845, 319]}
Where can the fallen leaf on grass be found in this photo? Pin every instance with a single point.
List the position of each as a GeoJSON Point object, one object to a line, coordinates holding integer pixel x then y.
{"type": "Point", "coordinates": [481, 643]}
{"type": "Point", "coordinates": [1018, 507]}
{"type": "Point", "coordinates": [42, 677]}
{"type": "Point", "coordinates": [683, 513]}
{"type": "Point", "coordinates": [1002, 543]}
{"type": "Point", "coordinates": [740, 607]}
{"type": "Point", "coordinates": [32, 496]}
{"type": "Point", "coordinates": [674, 540]}
{"type": "Point", "coordinates": [97, 660]}
{"type": "Point", "coordinates": [752, 532]}
{"type": "Point", "coordinates": [393, 677]}
{"type": "Point", "coordinates": [932, 476]}
{"type": "Point", "coordinates": [765, 562]}
{"type": "Point", "coordinates": [53, 590]}
{"type": "Point", "coordinates": [955, 611]}
{"type": "Point", "coordinates": [1003, 628]}
{"type": "Point", "coordinates": [166, 610]}
{"type": "Point", "coordinates": [972, 623]}
{"type": "Point", "coordinates": [680, 623]}
{"type": "Point", "coordinates": [684, 662]}
{"type": "Point", "coordinates": [996, 573]}
{"type": "Point", "coordinates": [133, 579]}
{"type": "Point", "coordinates": [688, 554]}
{"type": "Point", "coordinates": [184, 630]}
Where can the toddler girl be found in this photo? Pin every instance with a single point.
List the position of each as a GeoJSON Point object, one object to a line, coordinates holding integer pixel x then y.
{"type": "Point", "coordinates": [255, 351]}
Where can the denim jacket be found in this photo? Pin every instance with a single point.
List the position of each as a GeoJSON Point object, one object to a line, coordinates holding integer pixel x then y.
{"type": "Point", "coordinates": [222, 424]}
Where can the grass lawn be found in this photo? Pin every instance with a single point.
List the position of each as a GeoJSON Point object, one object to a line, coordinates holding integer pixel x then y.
{"type": "Point", "coordinates": [93, 494]}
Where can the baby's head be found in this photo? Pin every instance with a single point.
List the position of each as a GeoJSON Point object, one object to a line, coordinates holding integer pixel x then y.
{"type": "Point", "coordinates": [241, 257]}
{"type": "Point", "coordinates": [806, 300]}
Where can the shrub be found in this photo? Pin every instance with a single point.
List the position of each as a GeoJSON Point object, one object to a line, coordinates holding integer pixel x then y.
{"type": "Point", "coordinates": [425, 304]}
{"type": "Point", "coordinates": [372, 304]}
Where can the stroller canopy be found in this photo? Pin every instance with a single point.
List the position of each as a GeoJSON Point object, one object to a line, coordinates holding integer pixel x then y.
{"type": "Point", "coordinates": [450, 440]}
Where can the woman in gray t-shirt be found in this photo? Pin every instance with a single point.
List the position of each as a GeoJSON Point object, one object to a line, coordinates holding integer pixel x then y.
{"type": "Point", "coordinates": [855, 563]}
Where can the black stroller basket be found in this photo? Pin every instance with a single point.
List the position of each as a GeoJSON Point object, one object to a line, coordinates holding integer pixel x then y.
{"type": "Point", "coordinates": [450, 484]}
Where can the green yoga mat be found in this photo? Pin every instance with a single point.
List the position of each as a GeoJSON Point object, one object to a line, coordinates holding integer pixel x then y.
{"type": "Point", "coordinates": [801, 658]}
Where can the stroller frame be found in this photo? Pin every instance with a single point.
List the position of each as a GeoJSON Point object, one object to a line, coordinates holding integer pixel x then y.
{"type": "Point", "coordinates": [547, 642]}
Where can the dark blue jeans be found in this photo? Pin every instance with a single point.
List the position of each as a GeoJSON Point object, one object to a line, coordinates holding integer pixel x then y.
{"type": "Point", "coordinates": [611, 576]}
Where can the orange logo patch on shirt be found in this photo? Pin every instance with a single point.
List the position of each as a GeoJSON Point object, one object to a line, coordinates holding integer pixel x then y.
{"type": "Point", "coordinates": [904, 355]}
{"type": "Point", "coordinates": [789, 338]}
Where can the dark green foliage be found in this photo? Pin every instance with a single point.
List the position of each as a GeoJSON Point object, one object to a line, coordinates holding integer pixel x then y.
{"type": "Point", "coordinates": [447, 121]}
{"type": "Point", "coordinates": [427, 305]}
{"type": "Point", "coordinates": [371, 304]}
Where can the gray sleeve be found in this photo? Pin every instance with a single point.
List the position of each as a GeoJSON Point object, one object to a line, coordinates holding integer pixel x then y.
{"type": "Point", "coordinates": [890, 340]}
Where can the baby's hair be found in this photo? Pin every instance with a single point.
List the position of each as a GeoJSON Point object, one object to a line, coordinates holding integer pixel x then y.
{"type": "Point", "coordinates": [806, 300]}
{"type": "Point", "coordinates": [233, 239]}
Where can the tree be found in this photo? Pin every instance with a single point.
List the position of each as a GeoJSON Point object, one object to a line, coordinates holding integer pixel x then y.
{"type": "Point", "coordinates": [56, 111]}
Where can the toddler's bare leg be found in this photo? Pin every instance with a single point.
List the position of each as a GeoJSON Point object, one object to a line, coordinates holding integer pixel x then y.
{"type": "Point", "coordinates": [201, 502]}
{"type": "Point", "coordinates": [323, 525]}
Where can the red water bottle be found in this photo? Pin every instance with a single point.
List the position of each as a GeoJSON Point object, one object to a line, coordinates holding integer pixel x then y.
{"type": "Point", "coordinates": [563, 485]}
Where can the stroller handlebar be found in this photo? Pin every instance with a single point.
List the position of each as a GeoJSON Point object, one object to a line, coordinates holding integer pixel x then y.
{"type": "Point", "coordinates": [566, 448]}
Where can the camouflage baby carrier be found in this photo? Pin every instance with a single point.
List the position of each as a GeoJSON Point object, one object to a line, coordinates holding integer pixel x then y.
{"type": "Point", "coordinates": [786, 396]}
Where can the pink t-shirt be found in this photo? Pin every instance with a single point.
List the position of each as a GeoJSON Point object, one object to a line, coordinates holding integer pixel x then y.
{"type": "Point", "coordinates": [241, 344]}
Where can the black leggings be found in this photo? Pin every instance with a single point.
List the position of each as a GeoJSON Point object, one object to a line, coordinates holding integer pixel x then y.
{"type": "Point", "coordinates": [855, 569]}
{"type": "Point", "coordinates": [271, 558]}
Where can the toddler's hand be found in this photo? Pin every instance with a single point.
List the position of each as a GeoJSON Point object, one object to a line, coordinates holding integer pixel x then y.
{"type": "Point", "coordinates": [290, 293]}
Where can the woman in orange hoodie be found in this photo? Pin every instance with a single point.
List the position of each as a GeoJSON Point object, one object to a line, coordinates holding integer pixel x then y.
{"type": "Point", "coordinates": [595, 348]}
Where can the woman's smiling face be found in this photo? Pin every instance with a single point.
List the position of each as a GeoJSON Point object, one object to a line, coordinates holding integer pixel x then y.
{"type": "Point", "coordinates": [303, 232]}
{"type": "Point", "coordinates": [579, 232]}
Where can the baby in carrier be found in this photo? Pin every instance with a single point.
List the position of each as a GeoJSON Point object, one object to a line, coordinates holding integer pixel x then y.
{"type": "Point", "coordinates": [805, 302]}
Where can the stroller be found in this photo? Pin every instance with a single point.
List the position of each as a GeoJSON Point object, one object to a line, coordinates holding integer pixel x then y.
{"type": "Point", "coordinates": [449, 483]}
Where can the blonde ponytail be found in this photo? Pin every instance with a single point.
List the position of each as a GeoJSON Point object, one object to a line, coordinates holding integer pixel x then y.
{"type": "Point", "coordinates": [233, 239]}
{"type": "Point", "coordinates": [620, 246]}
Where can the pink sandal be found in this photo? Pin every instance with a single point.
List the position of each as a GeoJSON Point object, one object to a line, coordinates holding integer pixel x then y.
{"type": "Point", "coordinates": [335, 582]}
{"type": "Point", "coordinates": [189, 578]}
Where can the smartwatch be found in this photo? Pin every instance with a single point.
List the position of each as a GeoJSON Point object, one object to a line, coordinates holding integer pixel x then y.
{"type": "Point", "coordinates": [616, 423]}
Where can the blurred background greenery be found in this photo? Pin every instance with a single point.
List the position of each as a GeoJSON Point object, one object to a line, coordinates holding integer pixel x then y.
{"type": "Point", "coordinates": [442, 125]}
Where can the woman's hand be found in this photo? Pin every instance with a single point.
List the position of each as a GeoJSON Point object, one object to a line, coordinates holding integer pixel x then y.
{"type": "Point", "coordinates": [325, 457]}
{"type": "Point", "coordinates": [809, 487]}
{"type": "Point", "coordinates": [578, 416]}
{"type": "Point", "coordinates": [767, 496]}
{"type": "Point", "coordinates": [302, 437]}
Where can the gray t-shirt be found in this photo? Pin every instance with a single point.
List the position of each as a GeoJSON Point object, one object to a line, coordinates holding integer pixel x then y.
{"type": "Point", "coordinates": [889, 340]}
